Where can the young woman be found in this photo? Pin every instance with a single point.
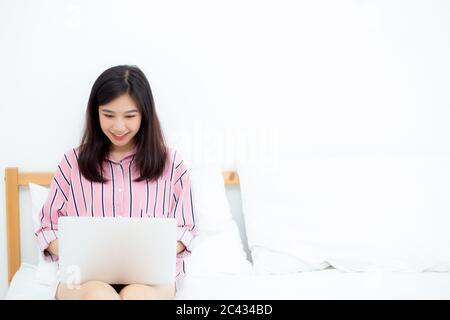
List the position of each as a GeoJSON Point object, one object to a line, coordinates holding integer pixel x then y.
{"type": "Point", "coordinates": [122, 168]}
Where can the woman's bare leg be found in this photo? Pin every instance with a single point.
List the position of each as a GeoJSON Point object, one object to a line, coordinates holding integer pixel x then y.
{"type": "Point", "coordinates": [91, 290]}
{"type": "Point", "coordinates": [147, 292]}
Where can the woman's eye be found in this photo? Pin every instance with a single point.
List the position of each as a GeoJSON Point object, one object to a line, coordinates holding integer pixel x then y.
{"type": "Point", "coordinates": [111, 116]}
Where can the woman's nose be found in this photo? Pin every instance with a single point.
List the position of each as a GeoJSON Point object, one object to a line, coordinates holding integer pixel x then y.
{"type": "Point", "coordinates": [119, 125]}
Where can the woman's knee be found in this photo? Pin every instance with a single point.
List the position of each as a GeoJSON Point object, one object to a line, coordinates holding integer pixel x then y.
{"type": "Point", "coordinates": [98, 290]}
{"type": "Point", "coordinates": [91, 290]}
{"type": "Point", "coordinates": [140, 291]}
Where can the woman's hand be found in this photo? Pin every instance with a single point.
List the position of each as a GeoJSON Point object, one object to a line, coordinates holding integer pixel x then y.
{"type": "Point", "coordinates": [53, 247]}
{"type": "Point", "coordinates": [180, 247]}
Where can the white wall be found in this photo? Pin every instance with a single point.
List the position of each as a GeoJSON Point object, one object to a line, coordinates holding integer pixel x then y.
{"type": "Point", "coordinates": [231, 79]}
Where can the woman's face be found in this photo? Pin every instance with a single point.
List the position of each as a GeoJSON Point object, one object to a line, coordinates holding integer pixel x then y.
{"type": "Point", "coordinates": [120, 120]}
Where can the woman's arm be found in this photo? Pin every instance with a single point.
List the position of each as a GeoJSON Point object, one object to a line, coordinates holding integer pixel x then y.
{"type": "Point", "coordinates": [183, 209]}
{"type": "Point", "coordinates": [54, 206]}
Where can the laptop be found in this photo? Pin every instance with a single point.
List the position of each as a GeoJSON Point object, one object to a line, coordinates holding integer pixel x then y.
{"type": "Point", "coordinates": [117, 250]}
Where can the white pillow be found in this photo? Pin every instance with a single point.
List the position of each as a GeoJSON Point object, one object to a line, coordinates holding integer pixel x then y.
{"type": "Point", "coordinates": [46, 272]}
{"type": "Point", "coordinates": [217, 248]}
{"type": "Point", "coordinates": [355, 213]}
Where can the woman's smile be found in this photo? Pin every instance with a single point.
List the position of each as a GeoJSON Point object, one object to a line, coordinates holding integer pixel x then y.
{"type": "Point", "coordinates": [119, 137]}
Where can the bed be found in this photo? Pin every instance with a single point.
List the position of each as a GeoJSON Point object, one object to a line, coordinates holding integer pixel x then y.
{"type": "Point", "coordinates": [325, 284]}
{"type": "Point", "coordinates": [229, 275]}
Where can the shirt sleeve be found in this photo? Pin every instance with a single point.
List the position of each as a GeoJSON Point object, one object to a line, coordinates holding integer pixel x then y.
{"type": "Point", "coordinates": [184, 206]}
{"type": "Point", "coordinates": [54, 206]}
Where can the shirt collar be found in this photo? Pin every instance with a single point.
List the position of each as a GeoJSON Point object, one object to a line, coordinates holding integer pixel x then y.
{"type": "Point", "coordinates": [127, 157]}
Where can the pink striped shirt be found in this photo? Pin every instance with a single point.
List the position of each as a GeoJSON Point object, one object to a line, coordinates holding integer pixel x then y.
{"type": "Point", "coordinates": [73, 195]}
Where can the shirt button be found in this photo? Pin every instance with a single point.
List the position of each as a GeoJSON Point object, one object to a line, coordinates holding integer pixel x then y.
{"type": "Point", "coordinates": [120, 190]}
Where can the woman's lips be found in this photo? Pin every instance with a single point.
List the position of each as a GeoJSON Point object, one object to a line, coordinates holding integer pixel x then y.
{"type": "Point", "coordinates": [119, 138]}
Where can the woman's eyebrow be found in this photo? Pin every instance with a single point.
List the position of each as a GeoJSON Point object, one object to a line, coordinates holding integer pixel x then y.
{"type": "Point", "coordinates": [110, 111]}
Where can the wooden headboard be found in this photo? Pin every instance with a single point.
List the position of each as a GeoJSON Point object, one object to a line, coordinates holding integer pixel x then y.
{"type": "Point", "coordinates": [13, 181]}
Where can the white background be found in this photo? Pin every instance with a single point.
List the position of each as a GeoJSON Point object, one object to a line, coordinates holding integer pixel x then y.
{"type": "Point", "coordinates": [232, 80]}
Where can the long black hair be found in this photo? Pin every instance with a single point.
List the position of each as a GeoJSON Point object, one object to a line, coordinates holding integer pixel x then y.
{"type": "Point", "coordinates": [151, 150]}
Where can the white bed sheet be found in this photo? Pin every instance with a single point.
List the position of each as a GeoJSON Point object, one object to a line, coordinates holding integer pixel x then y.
{"type": "Point", "coordinates": [324, 284]}
{"type": "Point", "coordinates": [24, 286]}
